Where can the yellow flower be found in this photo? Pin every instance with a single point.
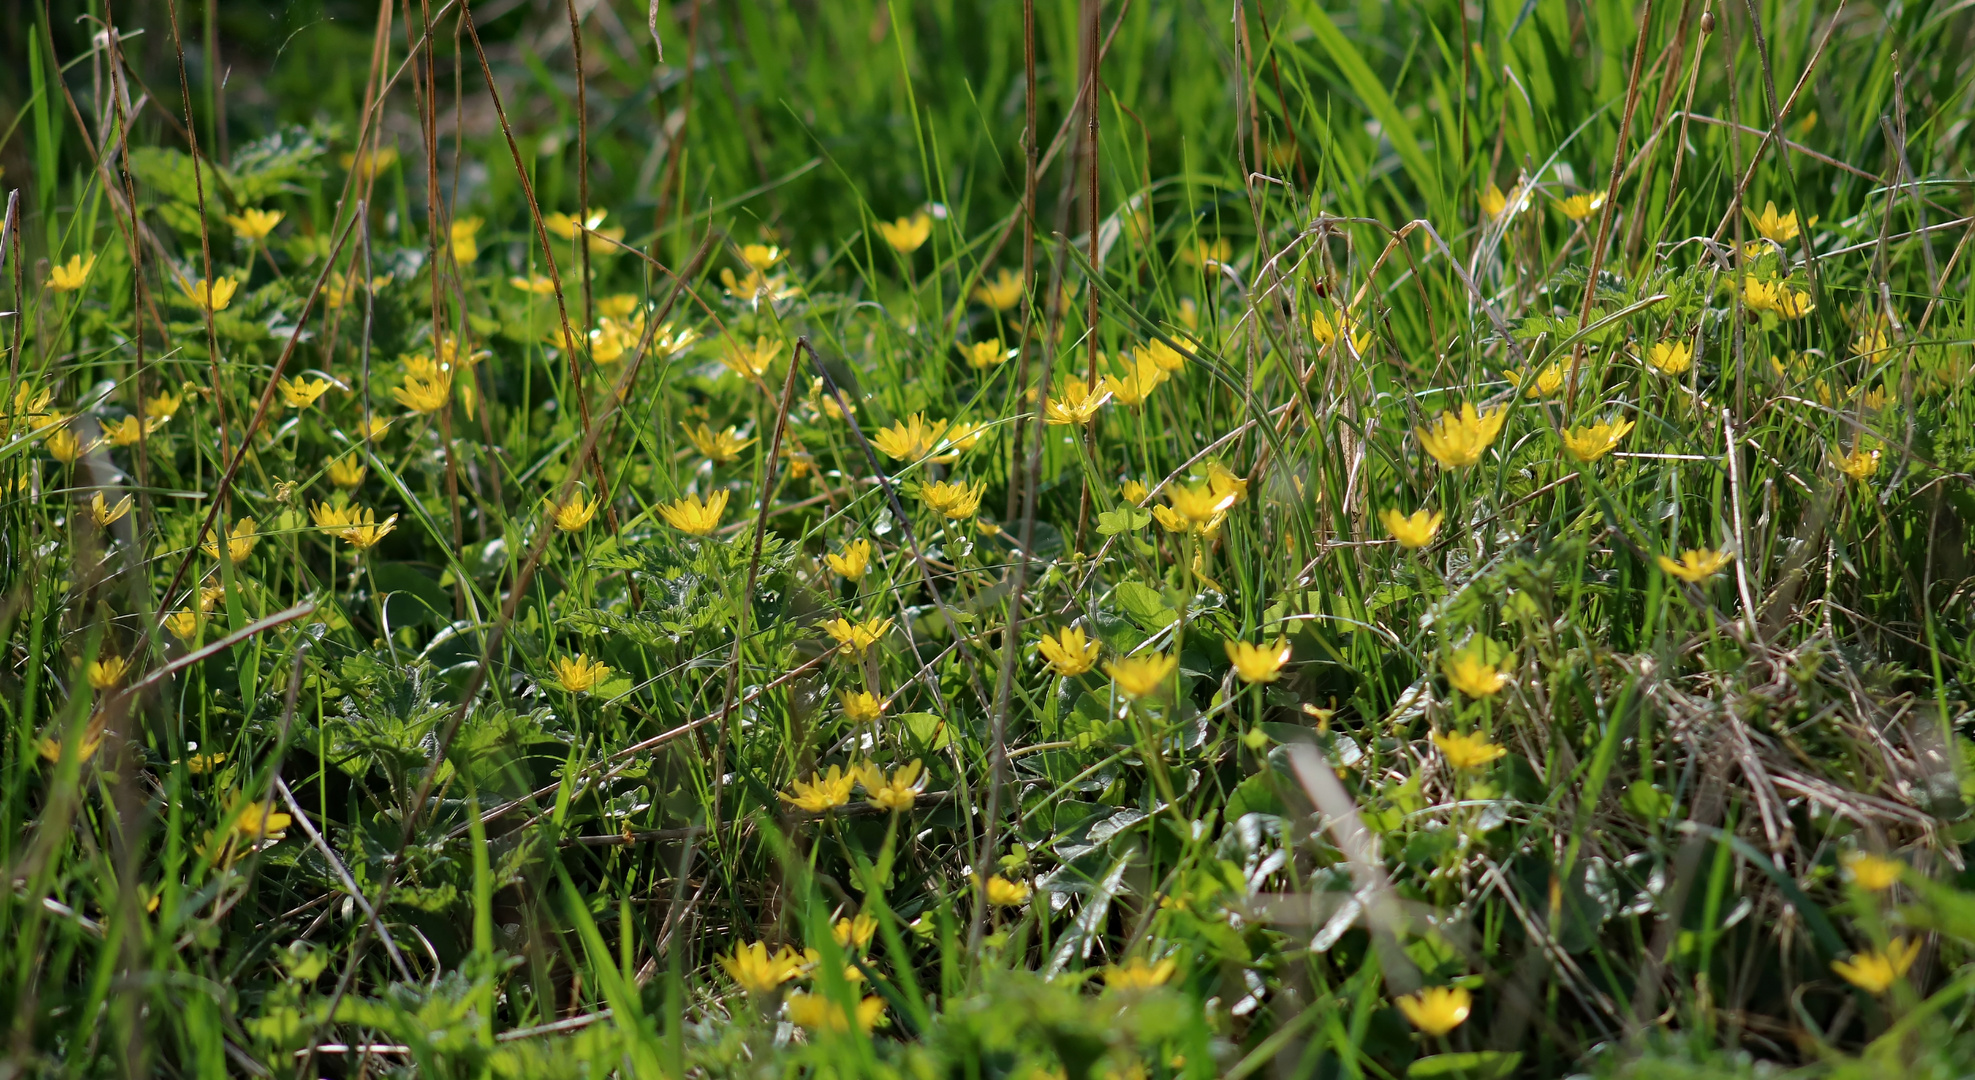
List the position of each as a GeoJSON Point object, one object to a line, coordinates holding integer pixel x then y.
{"type": "Point", "coordinates": [896, 792]}
{"type": "Point", "coordinates": [907, 235]}
{"type": "Point", "coordinates": [1874, 873]}
{"type": "Point", "coordinates": [755, 286]}
{"type": "Point", "coordinates": [574, 514]}
{"type": "Point", "coordinates": [70, 276]}
{"type": "Point", "coordinates": [982, 355]}
{"type": "Point", "coordinates": [611, 340]}
{"type": "Point", "coordinates": [1437, 1010]}
{"type": "Point", "coordinates": [364, 530]}
{"type": "Point", "coordinates": [359, 527]}
{"type": "Point", "coordinates": [760, 256]}
{"type": "Point", "coordinates": [854, 562]}
{"type": "Point", "coordinates": [751, 362]}
{"type": "Point", "coordinates": [1588, 444]}
{"type": "Point", "coordinates": [1458, 441]}
{"type": "Point", "coordinates": [1582, 205]}
{"type": "Point", "coordinates": [346, 471]}
{"type": "Point", "coordinates": [122, 432]}
{"type": "Point", "coordinates": [828, 401]}
{"type": "Point", "coordinates": [210, 596]}
{"type": "Point", "coordinates": [719, 448]}
{"type": "Point", "coordinates": [1327, 328]}
{"type": "Point", "coordinates": [1002, 892]}
{"type": "Point", "coordinates": [1163, 356]}
{"type": "Point", "coordinates": [692, 516]}
{"type": "Point", "coordinates": [1696, 564]}
{"type": "Point", "coordinates": [1068, 653]}
{"type": "Point", "coordinates": [757, 971]}
{"type": "Point", "coordinates": [1470, 751]}
{"type": "Point", "coordinates": [104, 515]}
{"type": "Point", "coordinates": [331, 519]}
{"type": "Point", "coordinates": [579, 674]}
{"type": "Point", "coordinates": [618, 306]}
{"type": "Point", "coordinates": [183, 624]}
{"type": "Point", "coordinates": [1224, 484]}
{"type": "Point", "coordinates": [1781, 228]}
{"type": "Point", "coordinates": [856, 932]}
{"type": "Point", "coordinates": [1493, 202]}
{"type": "Point", "coordinates": [374, 428]}
{"type": "Point", "coordinates": [533, 284]}
{"type": "Point", "coordinates": [952, 501]}
{"type": "Point", "coordinates": [1547, 382]}
{"type": "Point", "coordinates": [1415, 531]}
{"type": "Point", "coordinates": [1200, 504]}
{"type": "Point", "coordinates": [1171, 521]}
{"type": "Point", "coordinates": [1207, 254]}
{"type": "Point", "coordinates": [862, 707]}
{"type": "Point", "coordinates": [201, 764]}
{"type": "Point", "coordinates": [300, 393]}
{"type": "Point", "coordinates": [342, 290]}
{"type": "Point", "coordinates": [567, 226]}
{"type": "Point", "coordinates": [961, 435]}
{"type": "Point", "coordinates": [211, 296]}
{"type": "Point", "coordinates": [127, 431]}
{"type": "Point", "coordinates": [1875, 972]}
{"type": "Point", "coordinates": [857, 637]}
{"type": "Point", "coordinates": [424, 392]}
{"type": "Point", "coordinates": [161, 406]}
{"type": "Point", "coordinates": [64, 447]}
{"type": "Point", "coordinates": [822, 791]}
{"type": "Point", "coordinates": [254, 225]}
{"type": "Point", "coordinates": [1137, 383]}
{"type": "Point", "coordinates": [260, 821]}
{"type": "Point", "coordinates": [240, 542]}
{"type": "Point", "coordinates": [371, 162]}
{"type": "Point", "coordinates": [1136, 975]}
{"type": "Point", "coordinates": [106, 671]}
{"type": "Point", "coordinates": [1860, 464]}
{"type": "Point", "coordinates": [29, 404]}
{"type": "Point", "coordinates": [1001, 294]}
{"type": "Point", "coordinates": [1472, 675]}
{"type": "Point", "coordinates": [1258, 663]}
{"type": "Point", "coordinates": [464, 234]}
{"type": "Point", "coordinates": [1671, 357]}
{"type": "Point", "coordinates": [1870, 343]}
{"type": "Point", "coordinates": [1074, 404]}
{"type": "Point", "coordinates": [909, 439]}
{"type": "Point", "coordinates": [1132, 491]}
{"type": "Point", "coordinates": [92, 740]}
{"type": "Point", "coordinates": [814, 1012]}
{"type": "Point", "coordinates": [1139, 676]}
{"type": "Point", "coordinates": [1776, 297]}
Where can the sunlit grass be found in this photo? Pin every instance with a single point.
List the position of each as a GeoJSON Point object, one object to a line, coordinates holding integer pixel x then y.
{"type": "Point", "coordinates": [557, 619]}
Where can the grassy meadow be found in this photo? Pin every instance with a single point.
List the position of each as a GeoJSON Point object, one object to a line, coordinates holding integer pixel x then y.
{"type": "Point", "coordinates": [1097, 539]}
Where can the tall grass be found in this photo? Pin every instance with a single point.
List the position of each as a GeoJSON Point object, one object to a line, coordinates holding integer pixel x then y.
{"type": "Point", "coordinates": [634, 573]}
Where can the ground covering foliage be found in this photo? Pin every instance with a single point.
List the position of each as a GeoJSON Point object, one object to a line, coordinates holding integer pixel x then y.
{"type": "Point", "coordinates": [1084, 539]}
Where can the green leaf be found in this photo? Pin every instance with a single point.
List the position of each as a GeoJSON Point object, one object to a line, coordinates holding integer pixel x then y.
{"type": "Point", "coordinates": [1647, 801]}
{"type": "Point", "coordinates": [1474, 1065]}
{"type": "Point", "coordinates": [1144, 604]}
{"type": "Point", "coordinates": [1366, 85]}
{"type": "Point", "coordinates": [1123, 519]}
{"type": "Point", "coordinates": [1255, 795]}
{"type": "Point", "coordinates": [929, 731]}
